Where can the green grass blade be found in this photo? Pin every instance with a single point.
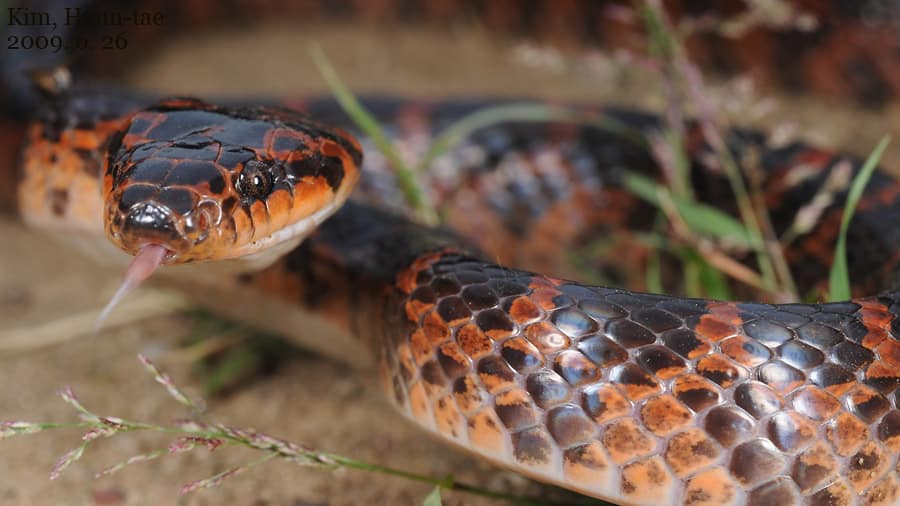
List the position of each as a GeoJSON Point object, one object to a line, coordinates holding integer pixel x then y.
{"type": "Point", "coordinates": [433, 498]}
{"type": "Point", "coordinates": [681, 182]}
{"type": "Point", "coordinates": [839, 277]}
{"type": "Point", "coordinates": [653, 277]}
{"type": "Point", "coordinates": [701, 218]}
{"type": "Point", "coordinates": [715, 286]}
{"type": "Point", "coordinates": [414, 194]}
{"type": "Point", "coordinates": [662, 41]}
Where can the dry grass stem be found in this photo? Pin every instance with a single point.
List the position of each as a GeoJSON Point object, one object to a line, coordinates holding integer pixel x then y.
{"type": "Point", "coordinates": [143, 305]}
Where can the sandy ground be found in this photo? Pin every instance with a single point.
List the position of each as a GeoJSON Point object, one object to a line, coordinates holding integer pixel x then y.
{"type": "Point", "coordinates": [309, 399]}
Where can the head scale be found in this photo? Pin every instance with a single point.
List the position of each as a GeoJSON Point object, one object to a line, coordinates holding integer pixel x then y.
{"type": "Point", "coordinates": [209, 182]}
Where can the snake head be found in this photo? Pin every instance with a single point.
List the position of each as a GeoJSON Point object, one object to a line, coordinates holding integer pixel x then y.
{"type": "Point", "coordinates": [207, 182]}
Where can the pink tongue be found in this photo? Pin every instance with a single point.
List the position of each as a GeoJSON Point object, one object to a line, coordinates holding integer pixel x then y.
{"type": "Point", "coordinates": [147, 260]}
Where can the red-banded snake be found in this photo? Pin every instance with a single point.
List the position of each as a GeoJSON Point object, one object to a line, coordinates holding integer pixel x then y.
{"type": "Point", "coordinates": [635, 398]}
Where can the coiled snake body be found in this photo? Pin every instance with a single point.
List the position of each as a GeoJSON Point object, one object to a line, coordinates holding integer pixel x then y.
{"type": "Point", "coordinates": [631, 397]}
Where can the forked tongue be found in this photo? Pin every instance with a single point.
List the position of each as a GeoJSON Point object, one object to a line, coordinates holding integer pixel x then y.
{"type": "Point", "coordinates": [145, 263]}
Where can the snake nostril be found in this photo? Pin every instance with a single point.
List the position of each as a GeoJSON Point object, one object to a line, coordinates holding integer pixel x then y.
{"type": "Point", "coordinates": [211, 210]}
{"type": "Point", "coordinates": [203, 224]}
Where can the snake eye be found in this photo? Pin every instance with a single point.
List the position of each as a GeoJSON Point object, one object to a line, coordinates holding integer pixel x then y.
{"type": "Point", "coordinates": [255, 181]}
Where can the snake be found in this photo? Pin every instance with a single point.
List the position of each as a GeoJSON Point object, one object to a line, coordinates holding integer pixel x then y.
{"type": "Point", "coordinates": [631, 397]}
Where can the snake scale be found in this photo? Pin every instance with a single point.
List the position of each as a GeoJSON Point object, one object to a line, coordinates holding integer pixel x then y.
{"type": "Point", "coordinates": [632, 397]}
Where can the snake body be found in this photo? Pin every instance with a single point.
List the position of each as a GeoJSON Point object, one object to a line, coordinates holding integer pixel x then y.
{"type": "Point", "coordinates": [631, 397]}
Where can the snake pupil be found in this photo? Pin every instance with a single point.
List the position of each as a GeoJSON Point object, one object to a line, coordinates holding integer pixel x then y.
{"type": "Point", "coordinates": [255, 181]}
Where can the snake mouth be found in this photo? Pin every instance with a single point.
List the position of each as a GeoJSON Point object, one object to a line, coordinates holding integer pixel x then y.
{"type": "Point", "coordinates": [182, 235]}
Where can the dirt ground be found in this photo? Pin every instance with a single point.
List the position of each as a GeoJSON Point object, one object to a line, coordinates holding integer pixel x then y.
{"type": "Point", "coordinates": [310, 400]}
